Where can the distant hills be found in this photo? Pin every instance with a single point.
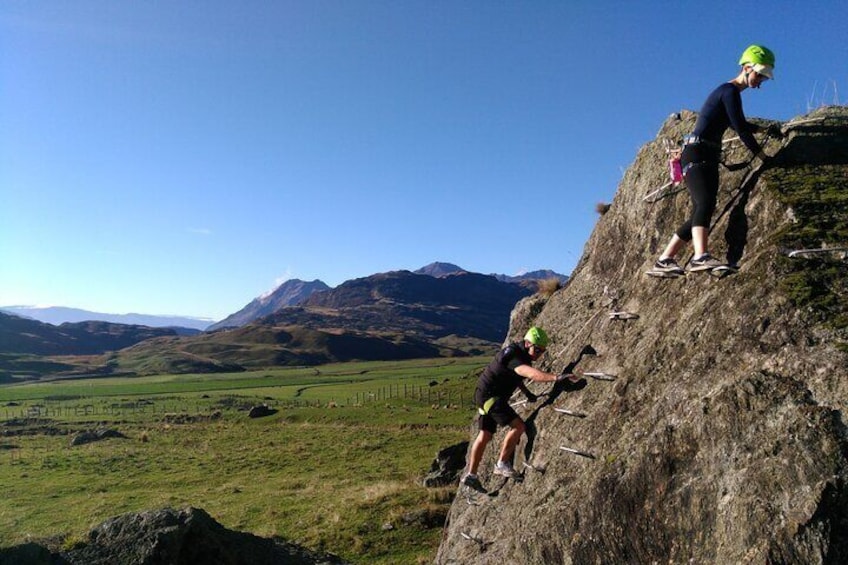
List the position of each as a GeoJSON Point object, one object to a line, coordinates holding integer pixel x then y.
{"type": "Point", "coordinates": [396, 315]}
{"type": "Point", "coordinates": [402, 302]}
{"type": "Point", "coordinates": [296, 292]}
{"type": "Point", "coordinates": [438, 269]}
{"type": "Point", "coordinates": [59, 315]}
{"type": "Point", "coordinates": [439, 310]}
{"type": "Point", "coordinates": [289, 293]}
{"type": "Point", "coordinates": [21, 335]}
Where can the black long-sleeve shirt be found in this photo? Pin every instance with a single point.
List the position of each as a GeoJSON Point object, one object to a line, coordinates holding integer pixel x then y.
{"type": "Point", "coordinates": [723, 109]}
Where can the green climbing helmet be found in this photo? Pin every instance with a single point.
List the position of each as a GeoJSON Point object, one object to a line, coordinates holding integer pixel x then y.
{"type": "Point", "coordinates": [537, 336]}
{"type": "Point", "coordinates": [761, 58]}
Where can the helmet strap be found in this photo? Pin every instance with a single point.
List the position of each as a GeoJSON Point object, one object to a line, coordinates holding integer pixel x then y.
{"type": "Point", "coordinates": [748, 75]}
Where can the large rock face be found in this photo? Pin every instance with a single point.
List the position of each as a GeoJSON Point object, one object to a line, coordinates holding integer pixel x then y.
{"type": "Point", "coordinates": [723, 438]}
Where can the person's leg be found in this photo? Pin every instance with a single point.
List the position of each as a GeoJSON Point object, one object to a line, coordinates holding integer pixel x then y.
{"type": "Point", "coordinates": [513, 436]}
{"type": "Point", "coordinates": [673, 248]}
{"type": "Point", "coordinates": [700, 239]}
{"type": "Point", "coordinates": [703, 188]}
{"type": "Point", "coordinates": [477, 450]}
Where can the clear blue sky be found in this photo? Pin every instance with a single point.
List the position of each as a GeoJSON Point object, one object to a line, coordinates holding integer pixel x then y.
{"type": "Point", "coordinates": [185, 157]}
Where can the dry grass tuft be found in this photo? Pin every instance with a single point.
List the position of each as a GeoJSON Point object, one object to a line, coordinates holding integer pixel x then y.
{"type": "Point", "coordinates": [549, 286]}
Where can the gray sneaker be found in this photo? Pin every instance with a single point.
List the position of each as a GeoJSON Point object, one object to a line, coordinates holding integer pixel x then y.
{"type": "Point", "coordinates": [705, 262]}
{"type": "Point", "coordinates": [472, 482]}
{"type": "Point", "coordinates": [504, 469]}
{"type": "Point", "coordinates": [669, 266]}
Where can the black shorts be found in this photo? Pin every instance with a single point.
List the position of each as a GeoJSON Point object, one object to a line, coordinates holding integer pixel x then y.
{"type": "Point", "coordinates": [500, 413]}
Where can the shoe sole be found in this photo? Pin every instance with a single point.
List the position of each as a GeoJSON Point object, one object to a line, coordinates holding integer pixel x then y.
{"type": "Point", "coordinates": [504, 474]}
{"type": "Point", "coordinates": [665, 274]}
{"type": "Point", "coordinates": [721, 272]}
{"type": "Point", "coordinates": [700, 268]}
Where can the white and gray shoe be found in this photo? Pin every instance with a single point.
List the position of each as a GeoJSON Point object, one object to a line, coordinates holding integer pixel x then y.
{"type": "Point", "coordinates": [504, 469]}
{"type": "Point", "coordinates": [705, 262]}
{"type": "Point", "coordinates": [668, 266]}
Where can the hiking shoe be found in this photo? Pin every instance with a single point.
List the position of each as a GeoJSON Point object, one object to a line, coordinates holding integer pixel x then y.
{"type": "Point", "coordinates": [705, 262]}
{"type": "Point", "coordinates": [668, 266]}
{"type": "Point", "coordinates": [472, 482]}
{"type": "Point", "coordinates": [504, 469]}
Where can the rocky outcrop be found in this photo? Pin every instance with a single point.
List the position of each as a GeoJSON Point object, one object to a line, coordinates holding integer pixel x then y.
{"type": "Point", "coordinates": [261, 411]}
{"type": "Point", "coordinates": [722, 438]}
{"type": "Point", "coordinates": [447, 466]}
{"type": "Point", "coordinates": [168, 537]}
{"type": "Point", "coordinates": [101, 433]}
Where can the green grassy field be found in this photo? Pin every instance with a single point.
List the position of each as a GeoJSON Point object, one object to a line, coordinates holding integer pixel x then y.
{"type": "Point", "coordinates": [337, 468]}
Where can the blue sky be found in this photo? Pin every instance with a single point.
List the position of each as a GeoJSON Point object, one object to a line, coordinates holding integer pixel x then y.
{"type": "Point", "coordinates": [185, 157]}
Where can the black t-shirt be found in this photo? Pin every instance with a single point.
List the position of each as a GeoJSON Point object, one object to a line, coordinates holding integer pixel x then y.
{"type": "Point", "coordinates": [499, 377]}
{"type": "Point", "coordinates": [723, 109]}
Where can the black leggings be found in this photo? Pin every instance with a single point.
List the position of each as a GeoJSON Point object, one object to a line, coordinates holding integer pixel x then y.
{"type": "Point", "coordinates": [702, 182]}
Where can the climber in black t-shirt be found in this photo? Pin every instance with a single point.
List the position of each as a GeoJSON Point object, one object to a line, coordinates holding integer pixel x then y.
{"type": "Point", "coordinates": [702, 153]}
{"type": "Point", "coordinates": [496, 384]}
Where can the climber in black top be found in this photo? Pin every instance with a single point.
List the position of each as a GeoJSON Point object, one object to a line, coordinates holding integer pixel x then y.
{"type": "Point", "coordinates": [702, 153]}
{"type": "Point", "coordinates": [496, 384]}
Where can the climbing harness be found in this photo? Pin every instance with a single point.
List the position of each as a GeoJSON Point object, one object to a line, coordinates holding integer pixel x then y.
{"type": "Point", "coordinates": [677, 173]}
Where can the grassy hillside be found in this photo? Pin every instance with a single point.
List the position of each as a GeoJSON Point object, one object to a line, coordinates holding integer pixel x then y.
{"type": "Point", "coordinates": [337, 468]}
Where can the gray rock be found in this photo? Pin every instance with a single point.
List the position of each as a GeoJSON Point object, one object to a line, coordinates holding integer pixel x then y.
{"type": "Point", "coordinates": [101, 433]}
{"type": "Point", "coordinates": [261, 411]}
{"type": "Point", "coordinates": [447, 466]}
{"type": "Point", "coordinates": [168, 537]}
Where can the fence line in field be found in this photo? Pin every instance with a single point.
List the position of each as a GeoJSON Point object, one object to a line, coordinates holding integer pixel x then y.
{"type": "Point", "coordinates": [424, 394]}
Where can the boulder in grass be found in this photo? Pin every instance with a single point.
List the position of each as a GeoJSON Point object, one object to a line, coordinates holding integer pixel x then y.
{"type": "Point", "coordinates": [97, 435]}
{"type": "Point", "coordinates": [168, 537]}
{"type": "Point", "coordinates": [447, 466]}
{"type": "Point", "coordinates": [261, 411]}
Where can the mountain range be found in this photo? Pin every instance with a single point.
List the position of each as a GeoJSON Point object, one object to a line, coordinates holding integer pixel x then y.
{"type": "Point", "coordinates": [60, 314]}
{"type": "Point", "coordinates": [289, 293]}
{"type": "Point", "coordinates": [394, 315]}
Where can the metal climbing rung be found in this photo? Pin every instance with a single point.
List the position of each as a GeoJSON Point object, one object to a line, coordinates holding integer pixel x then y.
{"type": "Point", "coordinates": [667, 189]}
{"type": "Point", "coordinates": [577, 452]}
{"type": "Point", "coordinates": [600, 376]}
{"type": "Point", "coordinates": [469, 537]}
{"type": "Point", "coordinates": [570, 413]}
{"type": "Point", "coordinates": [623, 316]}
{"type": "Point", "coordinates": [819, 251]}
{"type": "Point", "coordinates": [537, 468]}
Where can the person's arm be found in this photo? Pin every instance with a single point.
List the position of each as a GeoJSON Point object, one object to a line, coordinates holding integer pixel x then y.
{"type": "Point", "coordinates": [529, 372]}
{"type": "Point", "coordinates": [733, 106]}
{"type": "Point", "coordinates": [527, 393]}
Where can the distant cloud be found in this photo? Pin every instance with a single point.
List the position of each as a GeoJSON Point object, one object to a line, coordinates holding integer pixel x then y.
{"type": "Point", "coordinates": [199, 231]}
{"type": "Point", "coordinates": [277, 282]}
